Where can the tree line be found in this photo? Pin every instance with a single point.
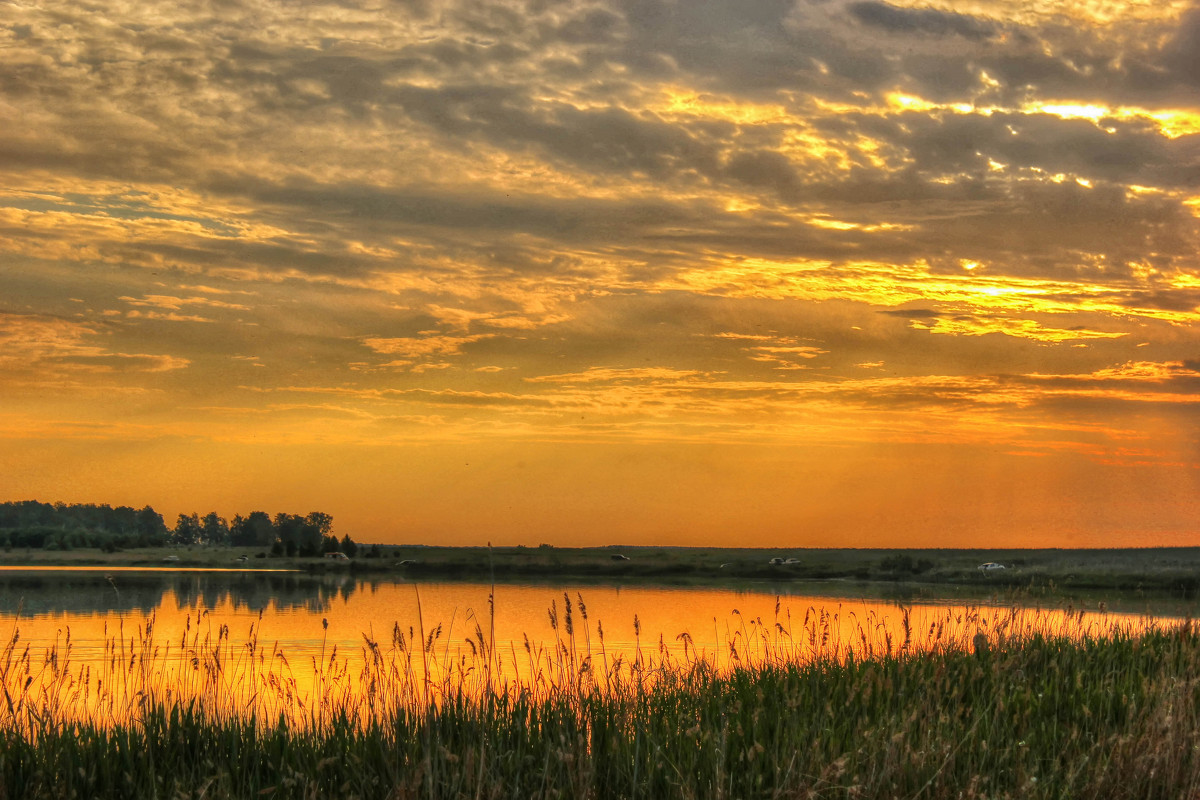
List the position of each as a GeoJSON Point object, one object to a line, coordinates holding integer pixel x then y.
{"type": "Point", "coordinates": [63, 526]}
{"type": "Point", "coordinates": [285, 534]}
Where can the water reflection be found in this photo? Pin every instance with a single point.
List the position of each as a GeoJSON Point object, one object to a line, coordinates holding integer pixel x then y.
{"type": "Point", "coordinates": [279, 639]}
{"type": "Point", "coordinates": [296, 609]}
{"type": "Point", "coordinates": [45, 592]}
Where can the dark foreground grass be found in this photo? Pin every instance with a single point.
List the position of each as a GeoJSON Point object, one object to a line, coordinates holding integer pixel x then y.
{"type": "Point", "coordinates": [1044, 715]}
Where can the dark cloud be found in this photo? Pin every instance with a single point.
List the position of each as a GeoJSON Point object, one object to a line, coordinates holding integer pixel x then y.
{"type": "Point", "coordinates": [662, 233]}
{"type": "Point", "coordinates": [593, 26]}
{"type": "Point", "coordinates": [754, 46]}
{"type": "Point", "coordinates": [765, 169]}
{"type": "Point", "coordinates": [557, 85]}
{"type": "Point", "coordinates": [921, 20]}
{"type": "Point", "coordinates": [1185, 300]}
{"type": "Point", "coordinates": [1113, 150]}
{"type": "Point", "coordinates": [942, 78]}
{"type": "Point", "coordinates": [270, 257]}
{"type": "Point", "coordinates": [908, 197]}
{"type": "Point", "coordinates": [1182, 53]}
{"type": "Point", "coordinates": [1149, 62]}
{"type": "Point", "coordinates": [111, 152]}
{"type": "Point", "coordinates": [482, 212]}
{"type": "Point", "coordinates": [350, 80]}
{"type": "Point", "coordinates": [416, 9]}
{"type": "Point", "coordinates": [1068, 231]}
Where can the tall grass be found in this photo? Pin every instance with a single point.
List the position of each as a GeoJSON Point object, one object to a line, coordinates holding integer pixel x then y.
{"type": "Point", "coordinates": [975, 704]}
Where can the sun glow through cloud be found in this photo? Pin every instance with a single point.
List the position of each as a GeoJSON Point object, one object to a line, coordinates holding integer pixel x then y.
{"type": "Point", "coordinates": [865, 272]}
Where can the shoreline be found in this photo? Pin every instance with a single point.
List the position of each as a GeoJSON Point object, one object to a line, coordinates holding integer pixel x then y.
{"type": "Point", "coordinates": [1171, 570]}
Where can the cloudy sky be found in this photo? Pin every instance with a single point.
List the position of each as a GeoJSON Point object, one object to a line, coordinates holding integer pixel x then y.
{"type": "Point", "coordinates": [765, 272]}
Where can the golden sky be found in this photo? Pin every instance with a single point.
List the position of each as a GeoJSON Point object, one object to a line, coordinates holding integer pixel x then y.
{"type": "Point", "coordinates": [812, 273]}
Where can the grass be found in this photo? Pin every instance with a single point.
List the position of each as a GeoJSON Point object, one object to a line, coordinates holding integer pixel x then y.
{"type": "Point", "coordinates": [1163, 571]}
{"type": "Point", "coordinates": [1030, 705]}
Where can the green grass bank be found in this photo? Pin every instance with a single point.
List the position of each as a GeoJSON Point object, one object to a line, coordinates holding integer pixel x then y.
{"type": "Point", "coordinates": [1168, 571]}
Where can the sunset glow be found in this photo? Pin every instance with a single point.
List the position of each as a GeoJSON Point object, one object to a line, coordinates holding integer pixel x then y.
{"type": "Point", "coordinates": [851, 273]}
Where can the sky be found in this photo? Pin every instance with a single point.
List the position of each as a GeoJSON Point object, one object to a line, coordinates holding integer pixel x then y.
{"type": "Point", "coordinates": [808, 273]}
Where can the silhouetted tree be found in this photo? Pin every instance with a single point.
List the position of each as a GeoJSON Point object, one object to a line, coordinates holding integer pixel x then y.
{"type": "Point", "coordinates": [150, 527]}
{"type": "Point", "coordinates": [255, 530]}
{"type": "Point", "coordinates": [302, 536]}
{"type": "Point", "coordinates": [187, 529]}
{"type": "Point", "coordinates": [319, 524]}
{"type": "Point", "coordinates": [215, 529]}
{"type": "Point", "coordinates": [29, 523]}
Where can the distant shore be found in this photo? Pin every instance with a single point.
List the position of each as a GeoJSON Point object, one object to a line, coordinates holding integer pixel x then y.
{"type": "Point", "coordinates": [1172, 570]}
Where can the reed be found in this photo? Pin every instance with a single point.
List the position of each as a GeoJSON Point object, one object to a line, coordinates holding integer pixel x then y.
{"type": "Point", "coordinates": [981, 704]}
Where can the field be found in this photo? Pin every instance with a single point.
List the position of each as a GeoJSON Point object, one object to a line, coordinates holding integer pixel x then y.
{"type": "Point", "coordinates": [1174, 571]}
{"type": "Point", "coordinates": [1012, 711]}
{"type": "Point", "coordinates": [1005, 710]}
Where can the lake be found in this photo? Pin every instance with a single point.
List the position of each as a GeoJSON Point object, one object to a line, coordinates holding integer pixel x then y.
{"type": "Point", "coordinates": [266, 639]}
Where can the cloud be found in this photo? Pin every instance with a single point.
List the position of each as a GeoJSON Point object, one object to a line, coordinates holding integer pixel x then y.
{"type": "Point", "coordinates": [167, 316]}
{"type": "Point", "coordinates": [618, 375]}
{"type": "Point", "coordinates": [912, 313]}
{"type": "Point", "coordinates": [138, 362]}
{"type": "Point", "coordinates": [171, 303]}
{"type": "Point", "coordinates": [845, 224]}
{"type": "Point", "coordinates": [29, 343]}
{"type": "Point", "coordinates": [1182, 52]}
{"type": "Point", "coordinates": [423, 346]}
{"type": "Point", "coordinates": [1149, 375]}
{"type": "Point", "coordinates": [32, 338]}
{"type": "Point", "coordinates": [463, 319]}
{"type": "Point", "coordinates": [935, 22]}
{"type": "Point", "coordinates": [782, 352]}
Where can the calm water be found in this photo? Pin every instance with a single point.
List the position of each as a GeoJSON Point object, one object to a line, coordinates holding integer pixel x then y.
{"type": "Point", "coordinates": [292, 608]}
{"type": "Point", "coordinates": [106, 614]}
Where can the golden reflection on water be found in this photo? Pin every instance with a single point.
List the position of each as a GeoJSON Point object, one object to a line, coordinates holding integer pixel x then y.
{"type": "Point", "coordinates": [710, 617]}
{"type": "Point", "coordinates": [236, 649]}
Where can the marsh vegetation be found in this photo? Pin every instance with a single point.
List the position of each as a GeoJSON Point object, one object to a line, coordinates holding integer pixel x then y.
{"type": "Point", "coordinates": [1107, 573]}
{"type": "Point", "coordinates": [972, 703]}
